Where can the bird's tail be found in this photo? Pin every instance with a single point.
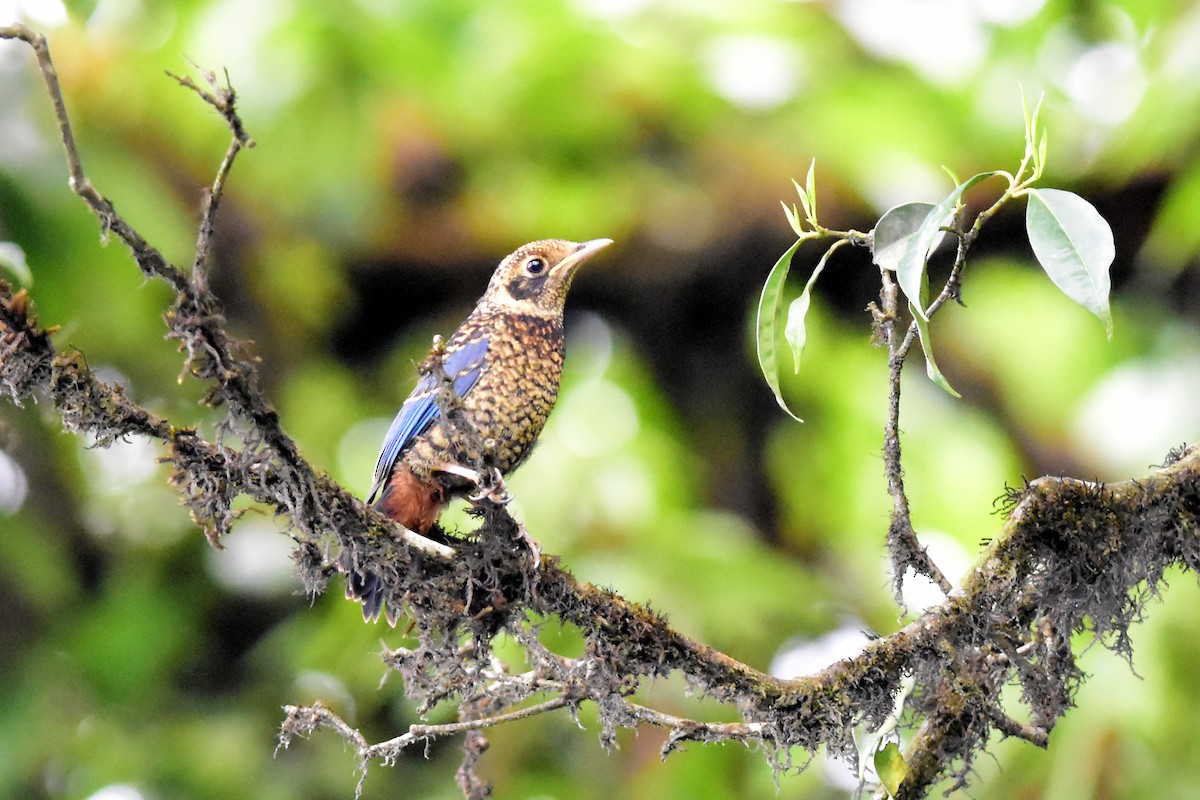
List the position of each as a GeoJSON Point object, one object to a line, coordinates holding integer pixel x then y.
{"type": "Point", "coordinates": [367, 588]}
{"type": "Point", "coordinates": [415, 504]}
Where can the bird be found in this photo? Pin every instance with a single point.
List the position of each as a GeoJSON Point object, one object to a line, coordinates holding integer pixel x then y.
{"type": "Point", "coordinates": [504, 363]}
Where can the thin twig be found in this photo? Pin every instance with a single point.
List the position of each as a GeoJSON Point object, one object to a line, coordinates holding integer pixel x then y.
{"type": "Point", "coordinates": [305, 719]}
{"type": "Point", "coordinates": [224, 100]}
{"type": "Point", "coordinates": [150, 260]}
{"type": "Point", "coordinates": [903, 543]}
{"type": "Point", "coordinates": [1010, 727]}
{"type": "Point", "coordinates": [683, 729]}
{"type": "Point", "coordinates": [905, 546]}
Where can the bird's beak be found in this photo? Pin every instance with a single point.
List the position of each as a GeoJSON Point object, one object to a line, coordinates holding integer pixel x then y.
{"type": "Point", "coordinates": [581, 253]}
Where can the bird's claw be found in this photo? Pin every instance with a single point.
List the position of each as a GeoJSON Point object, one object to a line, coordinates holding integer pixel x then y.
{"type": "Point", "coordinates": [535, 549]}
{"type": "Point", "coordinates": [493, 489]}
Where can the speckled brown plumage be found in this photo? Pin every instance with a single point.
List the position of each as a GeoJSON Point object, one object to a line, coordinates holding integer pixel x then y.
{"type": "Point", "coordinates": [511, 401]}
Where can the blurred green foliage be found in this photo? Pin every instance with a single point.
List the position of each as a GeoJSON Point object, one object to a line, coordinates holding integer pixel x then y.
{"type": "Point", "coordinates": [403, 147]}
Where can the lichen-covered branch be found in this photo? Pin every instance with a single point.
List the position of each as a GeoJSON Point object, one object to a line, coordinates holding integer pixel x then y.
{"type": "Point", "coordinates": [1072, 556]}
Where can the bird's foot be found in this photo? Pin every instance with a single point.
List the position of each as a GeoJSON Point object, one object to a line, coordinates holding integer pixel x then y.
{"type": "Point", "coordinates": [535, 549]}
{"type": "Point", "coordinates": [491, 488]}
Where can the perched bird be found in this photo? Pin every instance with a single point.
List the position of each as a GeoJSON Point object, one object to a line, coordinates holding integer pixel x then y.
{"type": "Point", "coordinates": [504, 362]}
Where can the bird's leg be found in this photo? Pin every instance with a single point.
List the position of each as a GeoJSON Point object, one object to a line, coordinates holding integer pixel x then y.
{"type": "Point", "coordinates": [490, 487]}
{"type": "Point", "coordinates": [459, 470]}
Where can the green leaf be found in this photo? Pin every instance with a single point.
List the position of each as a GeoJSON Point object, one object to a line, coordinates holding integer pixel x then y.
{"type": "Point", "coordinates": [894, 232]}
{"type": "Point", "coordinates": [1035, 139]}
{"type": "Point", "coordinates": [803, 200]}
{"type": "Point", "coordinates": [792, 217]}
{"type": "Point", "coordinates": [810, 183]}
{"type": "Point", "coordinates": [931, 367]}
{"type": "Point", "coordinates": [808, 197]}
{"type": "Point", "coordinates": [891, 767]}
{"type": "Point", "coordinates": [1075, 247]}
{"type": "Point", "coordinates": [770, 313]}
{"type": "Point", "coordinates": [910, 268]}
{"type": "Point", "coordinates": [1032, 118]}
{"type": "Point", "coordinates": [794, 332]}
{"type": "Point", "coordinates": [12, 260]}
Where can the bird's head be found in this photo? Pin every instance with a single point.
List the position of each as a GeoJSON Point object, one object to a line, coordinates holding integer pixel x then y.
{"type": "Point", "coordinates": [535, 278]}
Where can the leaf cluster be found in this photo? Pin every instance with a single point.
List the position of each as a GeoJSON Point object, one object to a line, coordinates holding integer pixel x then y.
{"type": "Point", "coordinates": [1071, 241]}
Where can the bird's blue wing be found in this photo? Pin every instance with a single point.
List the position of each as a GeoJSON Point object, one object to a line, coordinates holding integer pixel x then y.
{"type": "Point", "coordinates": [420, 409]}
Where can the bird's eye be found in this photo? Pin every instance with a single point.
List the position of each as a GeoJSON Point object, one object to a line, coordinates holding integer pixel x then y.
{"type": "Point", "coordinates": [535, 266]}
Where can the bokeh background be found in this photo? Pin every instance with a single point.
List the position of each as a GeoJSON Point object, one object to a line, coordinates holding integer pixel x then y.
{"type": "Point", "coordinates": [403, 147]}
